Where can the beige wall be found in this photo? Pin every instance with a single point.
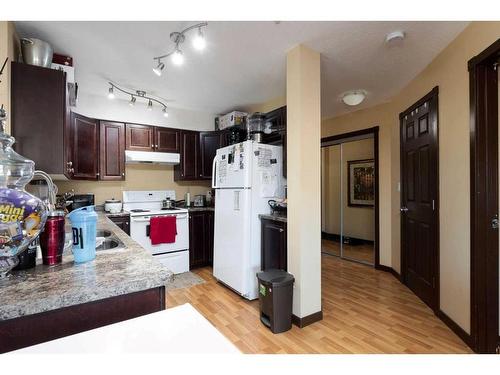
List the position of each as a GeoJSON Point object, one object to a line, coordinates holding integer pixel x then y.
{"type": "Point", "coordinates": [357, 222]}
{"type": "Point", "coordinates": [138, 177]}
{"type": "Point", "coordinates": [9, 47]}
{"type": "Point", "coordinates": [304, 177]}
{"type": "Point", "coordinates": [267, 106]}
{"type": "Point", "coordinates": [448, 71]}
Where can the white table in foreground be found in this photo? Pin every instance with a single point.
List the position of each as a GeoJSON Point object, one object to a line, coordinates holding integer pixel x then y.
{"type": "Point", "coordinates": [181, 329]}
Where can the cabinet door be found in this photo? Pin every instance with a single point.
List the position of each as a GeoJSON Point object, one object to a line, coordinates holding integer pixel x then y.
{"type": "Point", "coordinates": [112, 151]}
{"type": "Point", "coordinates": [167, 140]}
{"type": "Point", "coordinates": [273, 245]}
{"type": "Point", "coordinates": [209, 143]}
{"type": "Point", "coordinates": [139, 137]}
{"type": "Point", "coordinates": [84, 148]}
{"type": "Point", "coordinates": [38, 115]}
{"type": "Point", "coordinates": [123, 222]}
{"type": "Point", "coordinates": [197, 232]}
{"type": "Point", "coordinates": [188, 167]}
{"type": "Point", "coordinates": [209, 238]}
{"type": "Point", "coordinates": [224, 138]}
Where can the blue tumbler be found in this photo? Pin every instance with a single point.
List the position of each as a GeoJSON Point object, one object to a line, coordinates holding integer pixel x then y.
{"type": "Point", "coordinates": [84, 226]}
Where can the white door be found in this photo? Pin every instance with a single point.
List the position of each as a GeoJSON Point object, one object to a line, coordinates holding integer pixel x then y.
{"type": "Point", "coordinates": [232, 166]}
{"type": "Point", "coordinates": [232, 238]}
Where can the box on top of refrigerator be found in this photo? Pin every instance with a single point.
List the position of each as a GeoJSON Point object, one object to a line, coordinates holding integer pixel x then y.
{"type": "Point", "coordinates": [234, 118]}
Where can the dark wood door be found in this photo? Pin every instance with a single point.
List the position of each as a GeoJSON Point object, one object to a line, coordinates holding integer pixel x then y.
{"type": "Point", "coordinates": [84, 148]}
{"type": "Point", "coordinates": [167, 140]}
{"type": "Point", "coordinates": [188, 167]}
{"type": "Point", "coordinates": [209, 143]}
{"type": "Point", "coordinates": [209, 239]}
{"type": "Point", "coordinates": [139, 137]}
{"type": "Point", "coordinates": [419, 199]}
{"type": "Point", "coordinates": [198, 256]}
{"type": "Point", "coordinates": [224, 138]}
{"type": "Point", "coordinates": [112, 151]}
{"type": "Point", "coordinates": [273, 245]}
{"type": "Point", "coordinates": [38, 115]}
{"type": "Point", "coordinates": [122, 222]}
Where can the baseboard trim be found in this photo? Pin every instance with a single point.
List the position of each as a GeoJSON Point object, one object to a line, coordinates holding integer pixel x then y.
{"type": "Point", "coordinates": [307, 320]}
{"type": "Point", "coordinates": [459, 331]}
{"type": "Point", "coordinates": [391, 270]}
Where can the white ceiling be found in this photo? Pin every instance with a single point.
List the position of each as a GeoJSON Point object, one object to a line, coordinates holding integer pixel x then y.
{"type": "Point", "coordinates": [245, 62]}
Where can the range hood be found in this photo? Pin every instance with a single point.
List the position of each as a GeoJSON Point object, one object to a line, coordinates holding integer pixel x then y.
{"type": "Point", "coordinates": [150, 157]}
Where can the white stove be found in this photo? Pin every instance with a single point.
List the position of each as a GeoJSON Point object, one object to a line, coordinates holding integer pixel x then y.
{"type": "Point", "coordinates": [142, 205]}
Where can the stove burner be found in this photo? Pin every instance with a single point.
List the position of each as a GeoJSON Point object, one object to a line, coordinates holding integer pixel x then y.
{"type": "Point", "coordinates": [139, 210]}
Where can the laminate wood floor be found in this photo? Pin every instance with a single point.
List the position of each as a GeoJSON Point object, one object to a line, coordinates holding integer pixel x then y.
{"type": "Point", "coordinates": [365, 311]}
{"type": "Point", "coordinates": [363, 252]}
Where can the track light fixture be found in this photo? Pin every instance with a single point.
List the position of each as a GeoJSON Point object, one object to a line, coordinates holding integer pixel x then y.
{"type": "Point", "coordinates": [158, 69]}
{"type": "Point", "coordinates": [137, 94]}
{"type": "Point", "coordinates": [177, 56]}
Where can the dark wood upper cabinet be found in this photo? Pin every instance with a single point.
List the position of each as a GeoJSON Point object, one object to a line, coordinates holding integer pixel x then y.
{"type": "Point", "coordinates": [167, 140]}
{"type": "Point", "coordinates": [112, 151]}
{"type": "Point", "coordinates": [273, 245]}
{"type": "Point", "coordinates": [277, 120]}
{"type": "Point", "coordinates": [84, 148]}
{"type": "Point", "coordinates": [209, 143]}
{"type": "Point", "coordinates": [189, 150]}
{"type": "Point", "coordinates": [39, 116]}
{"type": "Point", "coordinates": [140, 137]}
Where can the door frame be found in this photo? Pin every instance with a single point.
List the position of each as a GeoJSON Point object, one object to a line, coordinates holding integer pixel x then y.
{"type": "Point", "coordinates": [357, 133]}
{"type": "Point", "coordinates": [433, 94]}
{"type": "Point", "coordinates": [484, 197]}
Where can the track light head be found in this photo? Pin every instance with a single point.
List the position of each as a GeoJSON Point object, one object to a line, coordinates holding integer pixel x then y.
{"type": "Point", "coordinates": [165, 113]}
{"type": "Point", "coordinates": [199, 42]}
{"type": "Point", "coordinates": [111, 94]}
{"type": "Point", "coordinates": [132, 101]}
{"type": "Point", "coordinates": [158, 69]}
{"type": "Point", "coordinates": [177, 57]}
{"type": "Point", "coordinates": [150, 105]}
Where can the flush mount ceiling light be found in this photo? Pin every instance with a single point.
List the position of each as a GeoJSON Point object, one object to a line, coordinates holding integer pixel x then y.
{"type": "Point", "coordinates": [396, 37]}
{"type": "Point", "coordinates": [137, 94]}
{"type": "Point", "coordinates": [178, 37]}
{"type": "Point", "coordinates": [354, 97]}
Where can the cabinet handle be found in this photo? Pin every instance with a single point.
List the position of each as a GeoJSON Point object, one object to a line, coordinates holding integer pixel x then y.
{"type": "Point", "coordinates": [281, 230]}
{"type": "Point", "coordinates": [123, 174]}
{"type": "Point", "coordinates": [69, 163]}
{"type": "Point", "coordinates": [152, 146]}
{"type": "Point", "coordinates": [126, 222]}
{"type": "Point", "coordinates": [156, 146]}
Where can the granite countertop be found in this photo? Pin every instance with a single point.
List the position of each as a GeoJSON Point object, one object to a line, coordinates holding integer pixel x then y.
{"type": "Point", "coordinates": [276, 217]}
{"type": "Point", "coordinates": [111, 273]}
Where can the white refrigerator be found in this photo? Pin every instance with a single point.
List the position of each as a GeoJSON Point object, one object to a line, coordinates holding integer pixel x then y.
{"type": "Point", "coordinates": [245, 177]}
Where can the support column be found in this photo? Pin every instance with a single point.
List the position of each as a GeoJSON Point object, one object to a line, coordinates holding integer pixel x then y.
{"type": "Point", "coordinates": [303, 179]}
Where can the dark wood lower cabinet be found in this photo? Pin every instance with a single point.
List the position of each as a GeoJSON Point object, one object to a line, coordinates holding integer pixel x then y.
{"type": "Point", "coordinates": [122, 222]}
{"type": "Point", "coordinates": [35, 329]}
{"type": "Point", "coordinates": [201, 238]}
{"type": "Point", "coordinates": [273, 245]}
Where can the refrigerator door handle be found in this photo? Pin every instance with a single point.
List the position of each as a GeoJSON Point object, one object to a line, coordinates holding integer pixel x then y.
{"type": "Point", "coordinates": [214, 172]}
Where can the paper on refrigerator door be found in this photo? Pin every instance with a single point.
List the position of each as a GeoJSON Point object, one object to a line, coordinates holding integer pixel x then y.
{"type": "Point", "coordinates": [268, 184]}
{"type": "Point", "coordinates": [222, 171]}
{"type": "Point", "coordinates": [264, 157]}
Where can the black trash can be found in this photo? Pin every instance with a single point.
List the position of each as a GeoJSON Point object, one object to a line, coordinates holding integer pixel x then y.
{"type": "Point", "coordinates": [275, 298]}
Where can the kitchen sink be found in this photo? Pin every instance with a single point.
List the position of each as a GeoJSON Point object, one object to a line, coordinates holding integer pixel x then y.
{"type": "Point", "coordinates": [110, 244]}
{"type": "Point", "coordinates": [103, 233]}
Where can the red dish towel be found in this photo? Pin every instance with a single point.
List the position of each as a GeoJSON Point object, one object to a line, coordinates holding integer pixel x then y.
{"type": "Point", "coordinates": [163, 229]}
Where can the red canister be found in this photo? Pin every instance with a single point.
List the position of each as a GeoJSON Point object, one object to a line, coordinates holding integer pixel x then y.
{"type": "Point", "coordinates": [52, 238]}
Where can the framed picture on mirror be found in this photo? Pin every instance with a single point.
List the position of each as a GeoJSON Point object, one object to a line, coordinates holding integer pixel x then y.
{"type": "Point", "coordinates": [361, 183]}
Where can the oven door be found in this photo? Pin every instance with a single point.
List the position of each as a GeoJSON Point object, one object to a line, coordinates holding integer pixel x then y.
{"type": "Point", "coordinates": [139, 231]}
